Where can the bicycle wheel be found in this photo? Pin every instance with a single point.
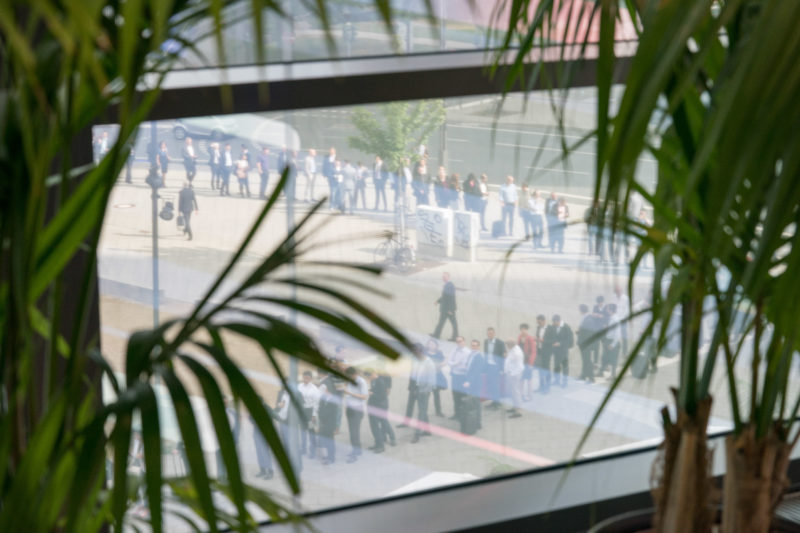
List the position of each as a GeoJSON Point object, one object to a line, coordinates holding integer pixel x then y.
{"type": "Point", "coordinates": [404, 259]}
{"type": "Point", "coordinates": [381, 254]}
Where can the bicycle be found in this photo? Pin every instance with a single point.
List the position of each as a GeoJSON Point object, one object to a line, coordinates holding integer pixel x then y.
{"type": "Point", "coordinates": [394, 252]}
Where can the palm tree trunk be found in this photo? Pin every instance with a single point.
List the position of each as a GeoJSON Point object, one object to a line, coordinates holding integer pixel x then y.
{"type": "Point", "coordinates": [684, 491]}
{"type": "Point", "coordinates": [755, 479]}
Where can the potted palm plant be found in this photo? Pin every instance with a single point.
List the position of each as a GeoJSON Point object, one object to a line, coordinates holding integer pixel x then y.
{"type": "Point", "coordinates": [710, 93]}
{"type": "Point", "coordinates": [65, 66]}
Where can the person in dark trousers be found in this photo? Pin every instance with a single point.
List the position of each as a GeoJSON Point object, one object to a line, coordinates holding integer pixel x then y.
{"type": "Point", "coordinates": [377, 406]}
{"type": "Point", "coordinates": [438, 359]}
{"type": "Point", "coordinates": [329, 171]}
{"type": "Point", "coordinates": [471, 389]}
{"type": "Point", "coordinates": [495, 351]}
{"type": "Point", "coordinates": [189, 159]}
{"type": "Point", "coordinates": [262, 163]}
{"type": "Point", "coordinates": [355, 398]}
{"type": "Point", "coordinates": [227, 168]}
{"type": "Point", "coordinates": [447, 307]}
{"type": "Point", "coordinates": [588, 342]}
{"type": "Point", "coordinates": [423, 374]}
{"type": "Point", "coordinates": [543, 354]}
{"type": "Point", "coordinates": [263, 453]}
{"type": "Point", "coordinates": [558, 339]}
{"type": "Point", "coordinates": [331, 389]}
{"type": "Point", "coordinates": [187, 202]}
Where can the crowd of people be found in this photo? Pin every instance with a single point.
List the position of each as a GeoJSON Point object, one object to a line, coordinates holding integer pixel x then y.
{"type": "Point", "coordinates": [491, 374]}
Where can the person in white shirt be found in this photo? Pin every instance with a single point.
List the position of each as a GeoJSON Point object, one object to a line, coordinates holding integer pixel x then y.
{"type": "Point", "coordinates": [536, 203]}
{"type": "Point", "coordinates": [508, 199]}
{"type": "Point", "coordinates": [484, 188]}
{"type": "Point", "coordinates": [349, 184]}
{"type": "Point", "coordinates": [310, 169]}
{"type": "Point", "coordinates": [612, 342]}
{"type": "Point", "coordinates": [423, 376]}
{"type": "Point", "coordinates": [227, 168]}
{"type": "Point", "coordinates": [512, 368]}
{"type": "Point", "coordinates": [310, 394]}
{"type": "Point", "coordinates": [458, 370]}
{"type": "Point", "coordinates": [355, 402]}
{"type": "Point", "coordinates": [189, 159]}
{"type": "Point", "coordinates": [623, 311]}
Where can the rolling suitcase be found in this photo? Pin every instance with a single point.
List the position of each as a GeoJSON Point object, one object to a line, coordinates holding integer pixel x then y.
{"type": "Point", "coordinates": [498, 229]}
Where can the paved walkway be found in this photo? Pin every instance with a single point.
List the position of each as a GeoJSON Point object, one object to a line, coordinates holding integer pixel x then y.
{"type": "Point", "coordinates": [498, 289]}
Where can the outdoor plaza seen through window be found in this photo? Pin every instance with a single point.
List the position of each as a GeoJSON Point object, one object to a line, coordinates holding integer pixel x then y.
{"type": "Point", "coordinates": [507, 265]}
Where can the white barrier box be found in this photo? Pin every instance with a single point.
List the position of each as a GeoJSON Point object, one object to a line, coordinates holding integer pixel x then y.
{"type": "Point", "coordinates": [466, 232]}
{"type": "Point", "coordinates": [434, 231]}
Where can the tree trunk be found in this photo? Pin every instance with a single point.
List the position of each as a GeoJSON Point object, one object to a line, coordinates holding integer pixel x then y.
{"type": "Point", "coordinates": [684, 491]}
{"type": "Point", "coordinates": [755, 479]}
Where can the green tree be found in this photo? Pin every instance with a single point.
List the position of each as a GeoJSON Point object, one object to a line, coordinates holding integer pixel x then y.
{"type": "Point", "coordinates": [395, 131]}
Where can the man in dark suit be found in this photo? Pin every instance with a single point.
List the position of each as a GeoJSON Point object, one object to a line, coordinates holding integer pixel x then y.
{"type": "Point", "coordinates": [588, 341]}
{"type": "Point", "coordinates": [558, 339]}
{"type": "Point", "coordinates": [379, 177]}
{"type": "Point", "coordinates": [471, 388]}
{"type": "Point", "coordinates": [495, 351]}
{"type": "Point", "coordinates": [186, 203]}
{"type": "Point", "coordinates": [447, 307]}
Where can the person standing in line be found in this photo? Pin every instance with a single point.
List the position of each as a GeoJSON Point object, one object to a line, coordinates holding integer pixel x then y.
{"type": "Point", "coordinates": [495, 351]}
{"type": "Point", "coordinates": [525, 210]}
{"type": "Point", "coordinates": [338, 191]}
{"type": "Point", "coordinates": [310, 170]}
{"type": "Point", "coordinates": [423, 374]}
{"type": "Point", "coordinates": [440, 187]}
{"type": "Point", "coordinates": [484, 189]}
{"type": "Point", "coordinates": [404, 178]}
{"type": "Point", "coordinates": [551, 214]}
{"type": "Point", "coordinates": [362, 173]}
{"type": "Point", "coordinates": [331, 390]}
{"type": "Point", "coordinates": [349, 184]}
{"type": "Point", "coordinates": [453, 190]}
{"type": "Point", "coordinates": [262, 165]}
{"type": "Point", "coordinates": [189, 159]}
{"type": "Point", "coordinates": [558, 338]}
{"type": "Point", "coordinates": [355, 398]}
{"type": "Point", "coordinates": [562, 214]}
{"type": "Point", "coordinates": [447, 307]}
{"type": "Point", "coordinates": [187, 201]}
{"type": "Point", "coordinates": [528, 346]}
{"type": "Point", "coordinates": [471, 388]}
{"type": "Point", "coordinates": [508, 199]}
{"type": "Point", "coordinates": [263, 453]}
{"type": "Point", "coordinates": [227, 169]}
{"type": "Point", "coordinates": [308, 422]}
{"type": "Point", "coordinates": [472, 193]}
{"type": "Point", "coordinates": [623, 304]}
{"type": "Point", "coordinates": [283, 159]}
{"type": "Point", "coordinates": [512, 369]}
{"type": "Point", "coordinates": [592, 218]}
{"type": "Point", "coordinates": [537, 209]}
{"type": "Point", "coordinates": [419, 185]}
{"type": "Point", "coordinates": [543, 354]}
{"type": "Point", "coordinates": [242, 168]}
{"type": "Point", "coordinates": [129, 166]}
{"type": "Point", "coordinates": [215, 163]}
{"type": "Point", "coordinates": [232, 414]}
{"type": "Point", "coordinates": [329, 172]}
{"type": "Point", "coordinates": [612, 342]}
{"type": "Point", "coordinates": [379, 177]}
{"type": "Point", "coordinates": [291, 179]}
{"type": "Point", "coordinates": [436, 355]}
{"type": "Point", "coordinates": [458, 370]}
{"type": "Point", "coordinates": [377, 406]}
{"type": "Point", "coordinates": [162, 157]}
{"type": "Point", "coordinates": [587, 342]}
